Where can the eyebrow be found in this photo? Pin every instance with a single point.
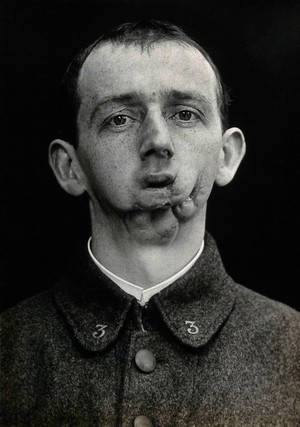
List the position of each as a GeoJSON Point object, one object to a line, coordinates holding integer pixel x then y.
{"type": "Point", "coordinates": [187, 95]}
{"type": "Point", "coordinates": [191, 95]}
{"type": "Point", "coordinates": [170, 95]}
{"type": "Point", "coordinates": [126, 98]}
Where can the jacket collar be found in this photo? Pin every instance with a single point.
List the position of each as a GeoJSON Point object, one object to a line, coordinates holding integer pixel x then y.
{"type": "Point", "coordinates": [94, 307]}
{"type": "Point", "coordinates": [196, 306]}
{"type": "Point", "coordinates": [193, 308]}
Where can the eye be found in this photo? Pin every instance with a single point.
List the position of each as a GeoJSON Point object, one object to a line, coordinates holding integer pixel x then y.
{"type": "Point", "coordinates": [185, 116]}
{"type": "Point", "coordinates": [119, 120]}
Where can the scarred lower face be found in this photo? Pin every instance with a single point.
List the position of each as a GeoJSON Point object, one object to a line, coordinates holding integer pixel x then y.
{"type": "Point", "coordinates": [149, 131]}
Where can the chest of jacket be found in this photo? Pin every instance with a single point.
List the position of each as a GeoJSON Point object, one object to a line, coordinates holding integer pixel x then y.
{"type": "Point", "coordinates": [183, 386]}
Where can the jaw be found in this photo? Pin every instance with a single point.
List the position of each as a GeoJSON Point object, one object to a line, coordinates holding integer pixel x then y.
{"type": "Point", "coordinates": [188, 207]}
{"type": "Point", "coordinates": [168, 215]}
{"type": "Point", "coordinates": [158, 226]}
{"type": "Point", "coordinates": [159, 215]}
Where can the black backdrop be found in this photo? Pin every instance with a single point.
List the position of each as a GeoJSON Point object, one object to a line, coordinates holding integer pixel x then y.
{"type": "Point", "coordinates": [255, 220]}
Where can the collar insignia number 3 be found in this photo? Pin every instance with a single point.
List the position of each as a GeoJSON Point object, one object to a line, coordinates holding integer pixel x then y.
{"type": "Point", "coordinates": [100, 331]}
{"type": "Point", "coordinates": [192, 329]}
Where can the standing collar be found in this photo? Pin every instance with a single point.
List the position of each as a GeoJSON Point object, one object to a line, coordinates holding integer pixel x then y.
{"type": "Point", "coordinates": [141, 294]}
{"type": "Point", "coordinates": [193, 308]}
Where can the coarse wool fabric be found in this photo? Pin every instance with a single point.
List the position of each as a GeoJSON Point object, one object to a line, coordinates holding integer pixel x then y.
{"type": "Point", "coordinates": [225, 355]}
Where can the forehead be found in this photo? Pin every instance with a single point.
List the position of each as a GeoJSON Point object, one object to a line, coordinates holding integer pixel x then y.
{"type": "Point", "coordinates": [111, 70]}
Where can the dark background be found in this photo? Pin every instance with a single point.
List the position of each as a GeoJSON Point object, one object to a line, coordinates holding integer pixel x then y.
{"type": "Point", "coordinates": [255, 220]}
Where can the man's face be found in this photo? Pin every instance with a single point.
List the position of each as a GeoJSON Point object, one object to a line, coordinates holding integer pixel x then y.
{"type": "Point", "coordinates": [149, 127]}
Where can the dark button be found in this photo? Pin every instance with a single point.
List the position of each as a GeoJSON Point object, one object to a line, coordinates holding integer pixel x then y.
{"type": "Point", "coordinates": [142, 421]}
{"type": "Point", "coordinates": [145, 360]}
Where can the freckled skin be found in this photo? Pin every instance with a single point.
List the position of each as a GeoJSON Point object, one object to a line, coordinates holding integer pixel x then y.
{"type": "Point", "coordinates": [111, 159]}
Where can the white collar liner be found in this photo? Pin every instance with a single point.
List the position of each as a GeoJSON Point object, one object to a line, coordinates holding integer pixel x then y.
{"type": "Point", "coordinates": [143, 295]}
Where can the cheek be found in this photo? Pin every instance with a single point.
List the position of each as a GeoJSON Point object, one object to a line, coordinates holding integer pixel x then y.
{"type": "Point", "coordinates": [201, 171]}
{"type": "Point", "coordinates": [207, 161]}
{"type": "Point", "coordinates": [200, 155]}
{"type": "Point", "coordinates": [107, 165]}
{"type": "Point", "coordinates": [106, 153]}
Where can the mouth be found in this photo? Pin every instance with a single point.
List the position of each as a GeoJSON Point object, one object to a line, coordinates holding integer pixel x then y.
{"type": "Point", "coordinates": [161, 191]}
{"type": "Point", "coordinates": [158, 181]}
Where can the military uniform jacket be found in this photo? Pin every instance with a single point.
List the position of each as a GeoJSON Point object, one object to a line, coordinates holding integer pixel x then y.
{"type": "Point", "coordinates": [218, 354]}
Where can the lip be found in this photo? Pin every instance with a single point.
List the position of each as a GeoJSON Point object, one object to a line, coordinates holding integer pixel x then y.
{"type": "Point", "coordinates": [158, 180]}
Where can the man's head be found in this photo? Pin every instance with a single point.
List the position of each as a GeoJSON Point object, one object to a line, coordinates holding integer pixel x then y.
{"type": "Point", "coordinates": [150, 113]}
{"type": "Point", "coordinates": [143, 35]}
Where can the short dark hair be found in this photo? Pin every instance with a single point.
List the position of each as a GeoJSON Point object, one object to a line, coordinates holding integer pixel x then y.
{"type": "Point", "coordinates": [144, 35]}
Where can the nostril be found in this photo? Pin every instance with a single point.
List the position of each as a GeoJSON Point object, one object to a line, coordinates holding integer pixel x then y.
{"type": "Point", "coordinates": [164, 153]}
{"type": "Point", "coordinates": [148, 153]}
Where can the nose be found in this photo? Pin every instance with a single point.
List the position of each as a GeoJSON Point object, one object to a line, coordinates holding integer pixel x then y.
{"type": "Point", "coordinates": [156, 140]}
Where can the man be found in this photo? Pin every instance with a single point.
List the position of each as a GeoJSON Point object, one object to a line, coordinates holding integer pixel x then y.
{"type": "Point", "coordinates": [147, 328]}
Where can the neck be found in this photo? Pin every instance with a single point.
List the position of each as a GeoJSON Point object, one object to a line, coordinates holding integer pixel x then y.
{"type": "Point", "coordinates": [145, 247]}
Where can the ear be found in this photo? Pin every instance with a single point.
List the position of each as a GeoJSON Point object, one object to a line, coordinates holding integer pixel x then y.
{"type": "Point", "coordinates": [231, 154]}
{"type": "Point", "coordinates": [66, 168]}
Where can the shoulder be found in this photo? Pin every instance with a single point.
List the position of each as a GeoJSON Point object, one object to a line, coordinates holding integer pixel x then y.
{"type": "Point", "coordinates": [27, 324]}
{"type": "Point", "coordinates": [29, 311]}
{"type": "Point", "coordinates": [266, 324]}
{"type": "Point", "coordinates": [30, 331]}
{"type": "Point", "coordinates": [263, 310]}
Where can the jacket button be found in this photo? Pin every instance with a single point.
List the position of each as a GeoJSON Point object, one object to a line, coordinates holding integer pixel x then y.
{"type": "Point", "coordinates": [142, 421]}
{"type": "Point", "coordinates": [145, 360]}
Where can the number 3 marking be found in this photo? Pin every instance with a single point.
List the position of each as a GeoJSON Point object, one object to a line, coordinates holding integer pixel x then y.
{"type": "Point", "coordinates": [193, 329]}
{"type": "Point", "coordinates": [100, 331]}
